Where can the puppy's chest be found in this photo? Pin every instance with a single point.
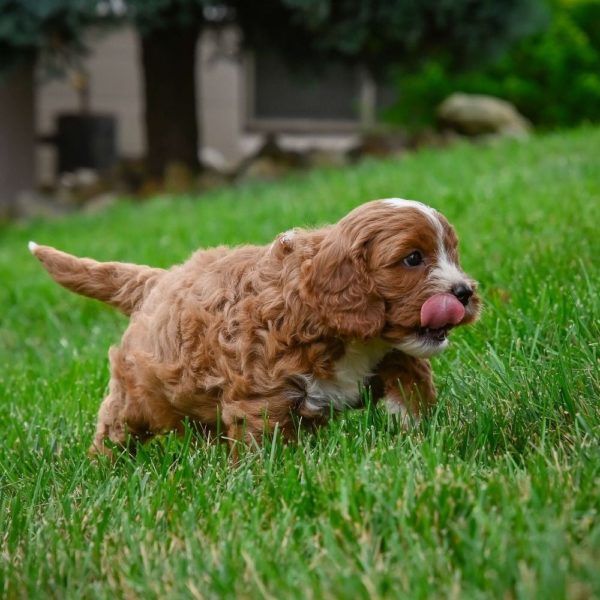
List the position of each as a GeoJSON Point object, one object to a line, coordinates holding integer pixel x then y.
{"type": "Point", "coordinates": [343, 389]}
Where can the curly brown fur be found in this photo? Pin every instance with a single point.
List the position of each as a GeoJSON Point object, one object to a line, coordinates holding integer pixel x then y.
{"type": "Point", "coordinates": [257, 336]}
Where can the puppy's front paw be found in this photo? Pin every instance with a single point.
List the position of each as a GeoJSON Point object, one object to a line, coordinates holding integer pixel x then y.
{"type": "Point", "coordinates": [408, 420]}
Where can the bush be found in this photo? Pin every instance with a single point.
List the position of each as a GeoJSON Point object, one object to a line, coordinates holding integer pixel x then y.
{"type": "Point", "coordinates": [552, 77]}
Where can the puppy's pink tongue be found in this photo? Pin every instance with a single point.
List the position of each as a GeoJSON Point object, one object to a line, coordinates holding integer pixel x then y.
{"type": "Point", "coordinates": [441, 310]}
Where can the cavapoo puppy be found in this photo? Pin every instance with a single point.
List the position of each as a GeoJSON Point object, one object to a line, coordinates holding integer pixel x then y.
{"type": "Point", "coordinates": [244, 339]}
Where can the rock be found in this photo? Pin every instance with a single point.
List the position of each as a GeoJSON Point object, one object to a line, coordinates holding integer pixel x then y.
{"type": "Point", "coordinates": [178, 178]}
{"type": "Point", "coordinates": [318, 158]}
{"type": "Point", "coordinates": [271, 162]}
{"type": "Point", "coordinates": [100, 203]}
{"type": "Point", "coordinates": [36, 205]}
{"type": "Point", "coordinates": [475, 114]}
{"type": "Point", "coordinates": [77, 187]}
{"type": "Point", "coordinates": [210, 179]}
{"type": "Point", "coordinates": [380, 144]}
{"type": "Point", "coordinates": [432, 138]}
{"type": "Point", "coordinates": [128, 176]}
{"type": "Point", "coordinates": [265, 167]}
{"type": "Point", "coordinates": [213, 161]}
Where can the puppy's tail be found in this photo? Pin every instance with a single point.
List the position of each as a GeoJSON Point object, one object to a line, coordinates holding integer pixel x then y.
{"type": "Point", "coordinates": [122, 285]}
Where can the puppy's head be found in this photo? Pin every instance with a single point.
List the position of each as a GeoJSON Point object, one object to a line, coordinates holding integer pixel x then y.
{"type": "Point", "coordinates": [390, 269]}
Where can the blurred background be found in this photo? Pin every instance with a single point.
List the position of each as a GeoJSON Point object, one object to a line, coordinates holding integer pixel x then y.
{"type": "Point", "coordinates": [101, 99]}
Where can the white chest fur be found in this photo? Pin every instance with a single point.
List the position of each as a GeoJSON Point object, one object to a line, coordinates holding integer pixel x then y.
{"type": "Point", "coordinates": [343, 389]}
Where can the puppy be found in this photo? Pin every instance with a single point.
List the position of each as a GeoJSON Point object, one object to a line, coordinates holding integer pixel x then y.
{"type": "Point", "coordinates": [243, 339]}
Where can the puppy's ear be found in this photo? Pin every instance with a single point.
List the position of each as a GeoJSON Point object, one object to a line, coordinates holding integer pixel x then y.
{"type": "Point", "coordinates": [336, 284]}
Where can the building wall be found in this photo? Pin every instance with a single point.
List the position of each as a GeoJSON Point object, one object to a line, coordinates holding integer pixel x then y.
{"type": "Point", "coordinates": [116, 88]}
{"type": "Point", "coordinates": [16, 135]}
{"type": "Point", "coordinates": [221, 97]}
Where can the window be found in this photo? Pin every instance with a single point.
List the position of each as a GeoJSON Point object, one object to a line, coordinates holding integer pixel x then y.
{"type": "Point", "coordinates": [336, 98]}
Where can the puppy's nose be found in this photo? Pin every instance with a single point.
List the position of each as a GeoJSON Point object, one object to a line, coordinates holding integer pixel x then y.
{"type": "Point", "coordinates": [463, 292]}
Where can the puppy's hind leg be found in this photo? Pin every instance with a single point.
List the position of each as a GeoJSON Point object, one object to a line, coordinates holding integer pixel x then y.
{"type": "Point", "coordinates": [248, 422]}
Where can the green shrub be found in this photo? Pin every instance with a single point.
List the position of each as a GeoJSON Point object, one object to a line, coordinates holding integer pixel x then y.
{"type": "Point", "coordinates": [552, 77]}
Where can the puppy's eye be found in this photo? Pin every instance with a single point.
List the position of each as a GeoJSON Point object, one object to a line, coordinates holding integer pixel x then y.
{"type": "Point", "coordinates": [414, 259]}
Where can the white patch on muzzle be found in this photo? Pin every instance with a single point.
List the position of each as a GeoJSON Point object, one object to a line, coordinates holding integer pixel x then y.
{"type": "Point", "coordinates": [418, 347]}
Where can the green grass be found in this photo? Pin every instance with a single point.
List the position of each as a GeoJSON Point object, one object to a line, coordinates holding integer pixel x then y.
{"type": "Point", "coordinates": [497, 495]}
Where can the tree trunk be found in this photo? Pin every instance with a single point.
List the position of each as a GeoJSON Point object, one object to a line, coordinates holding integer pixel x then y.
{"type": "Point", "coordinates": [169, 63]}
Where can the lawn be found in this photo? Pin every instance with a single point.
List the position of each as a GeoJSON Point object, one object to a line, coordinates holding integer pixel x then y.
{"type": "Point", "coordinates": [496, 495]}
